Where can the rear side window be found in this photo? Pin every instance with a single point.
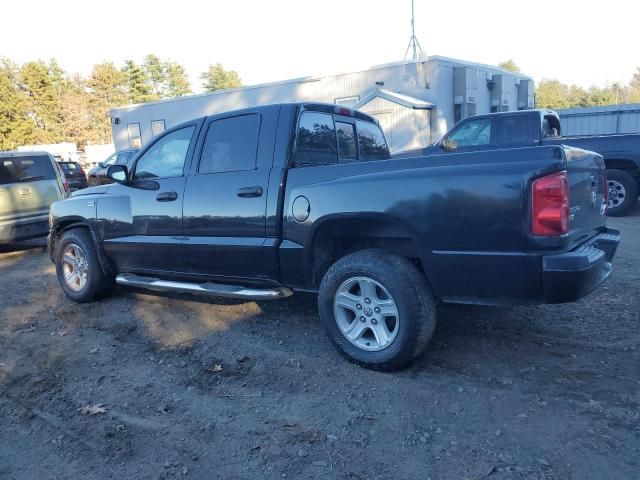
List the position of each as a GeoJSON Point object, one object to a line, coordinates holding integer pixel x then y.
{"type": "Point", "coordinates": [26, 169]}
{"type": "Point", "coordinates": [231, 145]}
{"type": "Point", "coordinates": [371, 142]}
{"type": "Point", "coordinates": [347, 149]}
{"type": "Point", "coordinates": [513, 130]}
{"type": "Point", "coordinates": [316, 143]}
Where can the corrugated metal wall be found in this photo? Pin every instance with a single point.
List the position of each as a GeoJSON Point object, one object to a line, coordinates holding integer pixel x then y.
{"type": "Point", "coordinates": [429, 80]}
{"type": "Point", "coordinates": [405, 128]}
{"type": "Point", "coordinates": [600, 120]}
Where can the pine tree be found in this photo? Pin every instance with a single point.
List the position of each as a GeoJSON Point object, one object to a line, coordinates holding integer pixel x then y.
{"type": "Point", "coordinates": [138, 83]}
{"type": "Point", "coordinates": [42, 87]}
{"type": "Point", "coordinates": [106, 89]}
{"type": "Point", "coordinates": [15, 126]}
{"type": "Point", "coordinates": [157, 75]}
{"type": "Point", "coordinates": [177, 80]}
{"type": "Point", "coordinates": [217, 78]}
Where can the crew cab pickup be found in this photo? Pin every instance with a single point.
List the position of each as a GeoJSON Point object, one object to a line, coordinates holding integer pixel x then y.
{"type": "Point", "coordinates": [262, 202]}
{"type": "Point", "coordinates": [507, 130]}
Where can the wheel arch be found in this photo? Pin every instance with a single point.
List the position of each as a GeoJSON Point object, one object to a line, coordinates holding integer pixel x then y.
{"type": "Point", "coordinates": [65, 224]}
{"type": "Point", "coordinates": [626, 164]}
{"type": "Point", "coordinates": [336, 236]}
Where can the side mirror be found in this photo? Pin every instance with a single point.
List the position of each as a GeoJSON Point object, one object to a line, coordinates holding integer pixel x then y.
{"type": "Point", "coordinates": [448, 145]}
{"type": "Point", "coordinates": [118, 173]}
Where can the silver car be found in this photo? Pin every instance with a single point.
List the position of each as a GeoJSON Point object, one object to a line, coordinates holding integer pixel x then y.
{"type": "Point", "coordinates": [29, 183]}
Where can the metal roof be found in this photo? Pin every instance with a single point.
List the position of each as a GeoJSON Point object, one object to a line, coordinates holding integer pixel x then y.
{"type": "Point", "coordinates": [396, 97]}
{"type": "Point", "coordinates": [315, 78]}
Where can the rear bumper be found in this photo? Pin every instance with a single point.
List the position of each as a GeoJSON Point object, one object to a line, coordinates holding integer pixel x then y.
{"type": "Point", "coordinates": [24, 228]}
{"type": "Point", "coordinates": [566, 277]}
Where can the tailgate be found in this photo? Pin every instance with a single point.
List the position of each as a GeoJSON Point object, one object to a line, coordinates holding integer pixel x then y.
{"type": "Point", "coordinates": [28, 197]}
{"type": "Point", "coordinates": [587, 194]}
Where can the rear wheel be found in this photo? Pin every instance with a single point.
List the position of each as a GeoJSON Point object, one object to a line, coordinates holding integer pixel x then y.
{"type": "Point", "coordinates": [622, 192]}
{"type": "Point", "coordinates": [377, 309]}
{"type": "Point", "coordinates": [78, 269]}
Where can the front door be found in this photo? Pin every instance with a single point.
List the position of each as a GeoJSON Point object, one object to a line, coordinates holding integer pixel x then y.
{"type": "Point", "coordinates": [142, 220]}
{"type": "Point", "coordinates": [226, 198]}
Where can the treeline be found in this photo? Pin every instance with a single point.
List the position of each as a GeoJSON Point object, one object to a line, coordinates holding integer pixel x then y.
{"type": "Point", "coordinates": [41, 103]}
{"type": "Point", "coordinates": [555, 94]}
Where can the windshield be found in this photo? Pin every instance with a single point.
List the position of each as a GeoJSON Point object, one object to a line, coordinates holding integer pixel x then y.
{"type": "Point", "coordinates": [70, 167]}
{"type": "Point", "coordinates": [26, 169]}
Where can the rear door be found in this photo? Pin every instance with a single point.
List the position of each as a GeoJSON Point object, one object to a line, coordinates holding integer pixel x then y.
{"type": "Point", "coordinates": [226, 198]}
{"type": "Point", "coordinates": [28, 186]}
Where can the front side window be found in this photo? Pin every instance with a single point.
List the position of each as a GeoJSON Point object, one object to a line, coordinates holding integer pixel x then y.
{"type": "Point", "coordinates": [473, 133]}
{"type": "Point", "coordinates": [316, 142]}
{"type": "Point", "coordinates": [346, 141]}
{"type": "Point", "coordinates": [111, 159]}
{"type": "Point", "coordinates": [166, 157]}
{"type": "Point", "coordinates": [371, 142]}
{"type": "Point", "coordinates": [231, 145]}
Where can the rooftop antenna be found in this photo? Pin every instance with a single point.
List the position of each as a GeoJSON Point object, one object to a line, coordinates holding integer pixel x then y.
{"type": "Point", "coordinates": [414, 44]}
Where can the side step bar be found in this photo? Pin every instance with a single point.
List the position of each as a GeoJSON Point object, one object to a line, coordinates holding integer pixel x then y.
{"type": "Point", "coordinates": [230, 291]}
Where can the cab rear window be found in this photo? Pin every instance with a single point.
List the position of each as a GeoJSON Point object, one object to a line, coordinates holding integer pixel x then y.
{"type": "Point", "coordinates": [26, 169]}
{"type": "Point", "coordinates": [70, 166]}
{"type": "Point", "coordinates": [324, 140]}
{"type": "Point", "coordinates": [371, 142]}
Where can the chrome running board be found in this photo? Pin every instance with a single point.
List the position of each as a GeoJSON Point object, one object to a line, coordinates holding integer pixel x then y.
{"type": "Point", "coordinates": [230, 291]}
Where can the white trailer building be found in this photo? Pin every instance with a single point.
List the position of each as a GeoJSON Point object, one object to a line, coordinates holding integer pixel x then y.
{"type": "Point", "coordinates": [415, 101]}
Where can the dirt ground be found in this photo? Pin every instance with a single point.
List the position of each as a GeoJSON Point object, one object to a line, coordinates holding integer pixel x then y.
{"type": "Point", "coordinates": [199, 389]}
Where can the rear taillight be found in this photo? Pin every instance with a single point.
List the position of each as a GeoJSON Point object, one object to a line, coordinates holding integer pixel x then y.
{"type": "Point", "coordinates": [550, 205]}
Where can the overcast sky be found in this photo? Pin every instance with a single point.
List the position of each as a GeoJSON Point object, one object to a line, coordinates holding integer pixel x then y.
{"type": "Point", "coordinates": [584, 42]}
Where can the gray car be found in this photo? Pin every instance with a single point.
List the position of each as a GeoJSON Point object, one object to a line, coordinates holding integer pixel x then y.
{"type": "Point", "coordinates": [29, 183]}
{"type": "Point", "coordinates": [98, 174]}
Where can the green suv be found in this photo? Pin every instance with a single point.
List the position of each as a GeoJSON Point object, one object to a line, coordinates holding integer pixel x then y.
{"type": "Point", "coordinates": [29, 183]}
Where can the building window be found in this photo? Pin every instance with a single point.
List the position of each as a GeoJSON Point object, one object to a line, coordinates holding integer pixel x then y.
{"type": "Point", "coordinates": [135, 139]}
{"type": "Point", "coordinates": [157, 127]}
{"type": "Point", "coordinates": [347, 101]}
{"type": "Point", "coordinates": [457, 113]}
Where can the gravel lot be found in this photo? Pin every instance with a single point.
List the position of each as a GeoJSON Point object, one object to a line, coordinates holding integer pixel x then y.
{"type": "Point", "coordinates": [193, 389]}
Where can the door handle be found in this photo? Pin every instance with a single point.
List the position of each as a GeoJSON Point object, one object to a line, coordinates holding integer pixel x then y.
{"type": "Point", "coordinates": [248, 192]}
{"type": "Point", "coordinates": [167, 197]}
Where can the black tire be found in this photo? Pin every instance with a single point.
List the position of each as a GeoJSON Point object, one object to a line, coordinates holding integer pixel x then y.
{"type": "Point", "coordinates": [623, 181]}
{"type": "Point", "coordinates": [408, 289]}
{"type": "Point", "coordinates": [98, 285]}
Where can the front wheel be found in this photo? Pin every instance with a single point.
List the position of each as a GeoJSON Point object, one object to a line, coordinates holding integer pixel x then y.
{"type": "Point", "coordinates": [377, 309]}
{"type": "Point", "coordinates": [622, 192]}
{"type": "Point", "coordinates": [78, 269]}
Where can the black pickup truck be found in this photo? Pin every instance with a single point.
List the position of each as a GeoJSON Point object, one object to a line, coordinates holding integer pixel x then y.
{"type": "Point", "coordinates": [509, 130]}
{"type": "Point", "coordinates": [262, 202]}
